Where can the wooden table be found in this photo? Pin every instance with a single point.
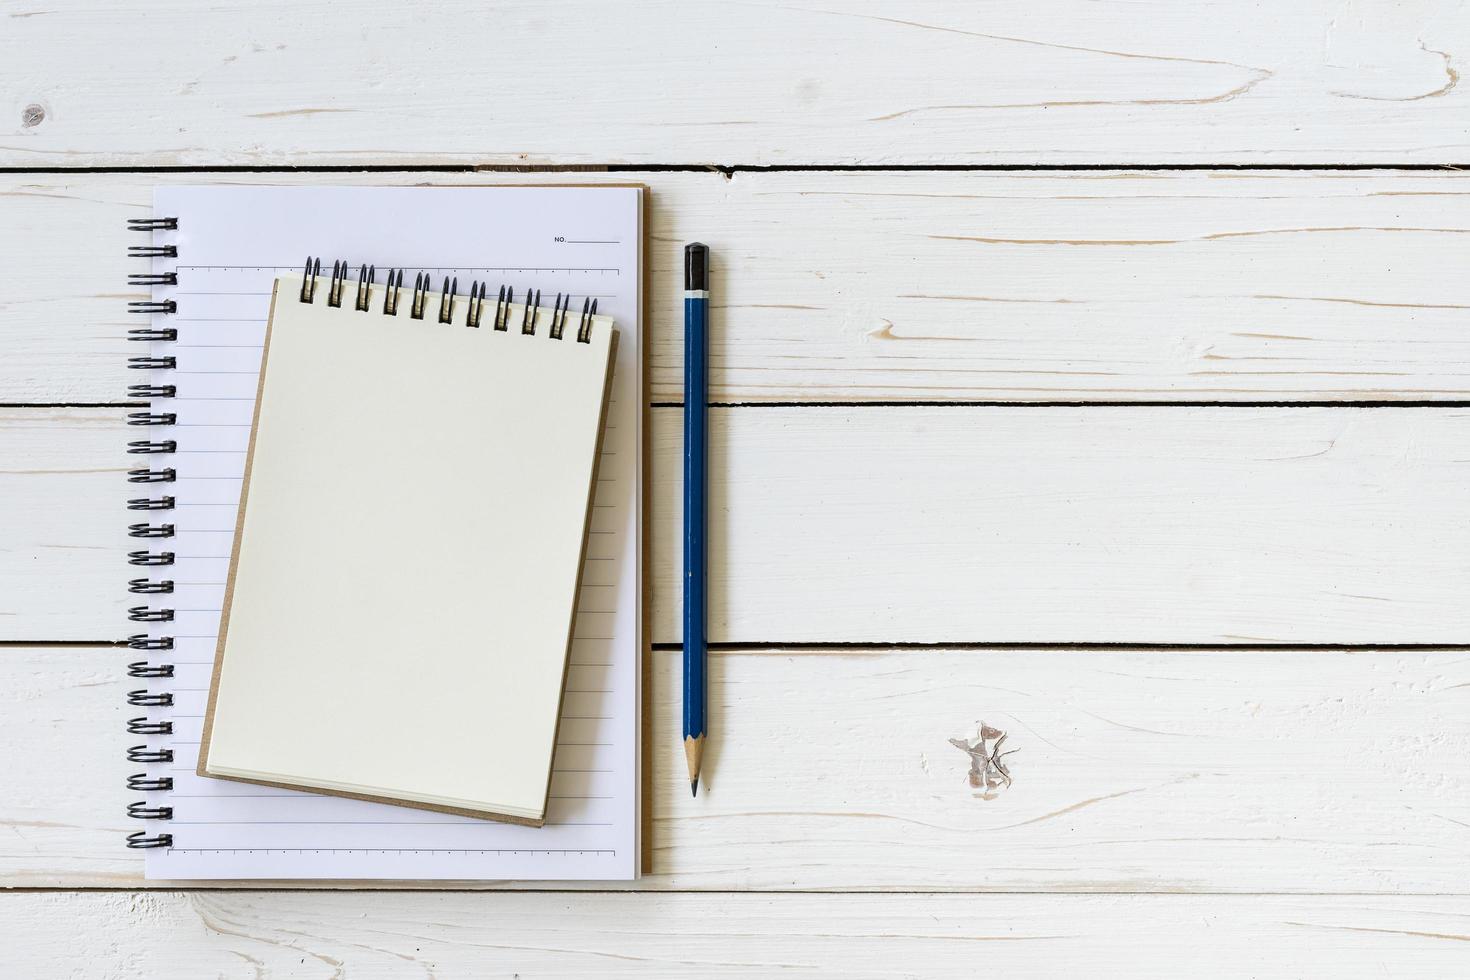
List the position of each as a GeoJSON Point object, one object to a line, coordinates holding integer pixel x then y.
{"type": "Point", "coordinates": [1096, 371]}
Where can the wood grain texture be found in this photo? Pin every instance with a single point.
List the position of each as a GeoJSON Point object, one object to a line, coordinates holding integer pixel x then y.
{"type": "Point", "coordinates": [1133, 771]}
{"type": "Point", "coordinates": [920, 286]}
{"type": "Point", "coordinates": [951, 524]}
{"type": "Point", "coordinates": [877, 82]}
{"type": "Point", "coordinates": [63, 541]}
{"type": "Point", "coordinates": [265, 935]}
{"type": "Point", "coordinates": [1053, 525]}
{"type": "Point", "coordinates": [63, 723]}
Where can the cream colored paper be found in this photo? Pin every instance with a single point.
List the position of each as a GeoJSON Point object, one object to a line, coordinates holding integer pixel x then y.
{"type": "Point", "coordinates": [407, 569]}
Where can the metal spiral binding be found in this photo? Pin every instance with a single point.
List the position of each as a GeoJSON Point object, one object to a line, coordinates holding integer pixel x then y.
{"type": "Point", "coordinates": [153, 416]}
{"type": "Point", "coordinates": [423, 284]}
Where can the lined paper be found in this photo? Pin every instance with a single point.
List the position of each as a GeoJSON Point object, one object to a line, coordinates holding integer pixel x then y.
{"type": "Point", "coordinates": [232, 243]}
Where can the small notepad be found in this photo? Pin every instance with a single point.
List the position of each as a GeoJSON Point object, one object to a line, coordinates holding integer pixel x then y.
{"type": "Point", "coordinates": [407, 561]}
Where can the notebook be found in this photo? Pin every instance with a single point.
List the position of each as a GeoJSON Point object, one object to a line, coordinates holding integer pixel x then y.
{"type": "Point", "coordinates": [457, 632]}
{"type": "Point", "coordinates": [216, 254]}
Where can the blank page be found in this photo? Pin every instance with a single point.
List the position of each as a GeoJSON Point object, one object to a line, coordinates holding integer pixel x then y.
{"type": "Point", "coordinates": [401, 603]}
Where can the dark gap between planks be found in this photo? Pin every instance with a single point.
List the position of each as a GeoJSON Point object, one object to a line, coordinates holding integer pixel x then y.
{"type": "Point", "coordinates": [959, 403]}
{"type": "Point", "coordinates": [839, 646]}
{"type": "Point", "coordinates": [732, 169]}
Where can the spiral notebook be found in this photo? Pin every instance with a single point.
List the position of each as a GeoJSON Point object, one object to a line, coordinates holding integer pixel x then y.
{"type": "Point", "coordinates": [217, 253]}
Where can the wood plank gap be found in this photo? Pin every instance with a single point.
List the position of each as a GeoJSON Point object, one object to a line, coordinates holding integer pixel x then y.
{"type": "Point", "coordinates": [888, 645]}
{"type": "Point", "coordinates": [113, 644]}
{"type": "Point", "coordinates": [73, 404]}
{"type": "Point", "coordinates": [745, 646]}
{"type": "Point", "coordinates": [1195, 403]}
{"type": "Point", "coordinates": [1173, 403]}
{"type": "Point", "coordinates": [729, 169]}
{"type": "Point", "coordinates": [1181, 403]}
{"type": "Point", "coordinates": [604, 888]}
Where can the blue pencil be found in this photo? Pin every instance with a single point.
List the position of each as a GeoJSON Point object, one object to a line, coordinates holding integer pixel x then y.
{"type": "Point", "coordinates": [696, 440]}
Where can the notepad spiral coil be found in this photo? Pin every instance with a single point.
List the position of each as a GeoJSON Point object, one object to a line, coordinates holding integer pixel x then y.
{"type": "Point", "coordinates": [475, 303]}
{"type": "Point", "coordinates": [157, 444]}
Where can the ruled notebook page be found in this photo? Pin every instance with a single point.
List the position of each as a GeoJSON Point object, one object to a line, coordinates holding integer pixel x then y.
{"type": "Point", "coordinates": [232, 243]}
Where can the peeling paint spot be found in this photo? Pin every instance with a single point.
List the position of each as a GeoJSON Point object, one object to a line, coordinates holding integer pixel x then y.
{"type": "Point", "coordinates": [988, 773]}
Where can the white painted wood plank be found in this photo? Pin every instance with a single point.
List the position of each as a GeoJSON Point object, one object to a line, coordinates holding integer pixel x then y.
{"type": "Point", "coordinates": [940, 524]}
{"type": "Point", "coordinates": [259, 935]}
{"type": "Point", "coordinates": [1133, 771]}
{"type": "Point", "coordinates": [137, 83]}
{"type": "Point", "coordinates": [1061, 525]}
{"type": "Point", "coordinates": [63, 569]}
{"type": "Point", "coordinates": [920, 286]}
{"type": "Point", "coordinates": [63, 726]}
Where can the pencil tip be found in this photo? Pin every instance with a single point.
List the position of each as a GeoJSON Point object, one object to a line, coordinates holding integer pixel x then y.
{"type": "Point", "coordinates": [694, 786]}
